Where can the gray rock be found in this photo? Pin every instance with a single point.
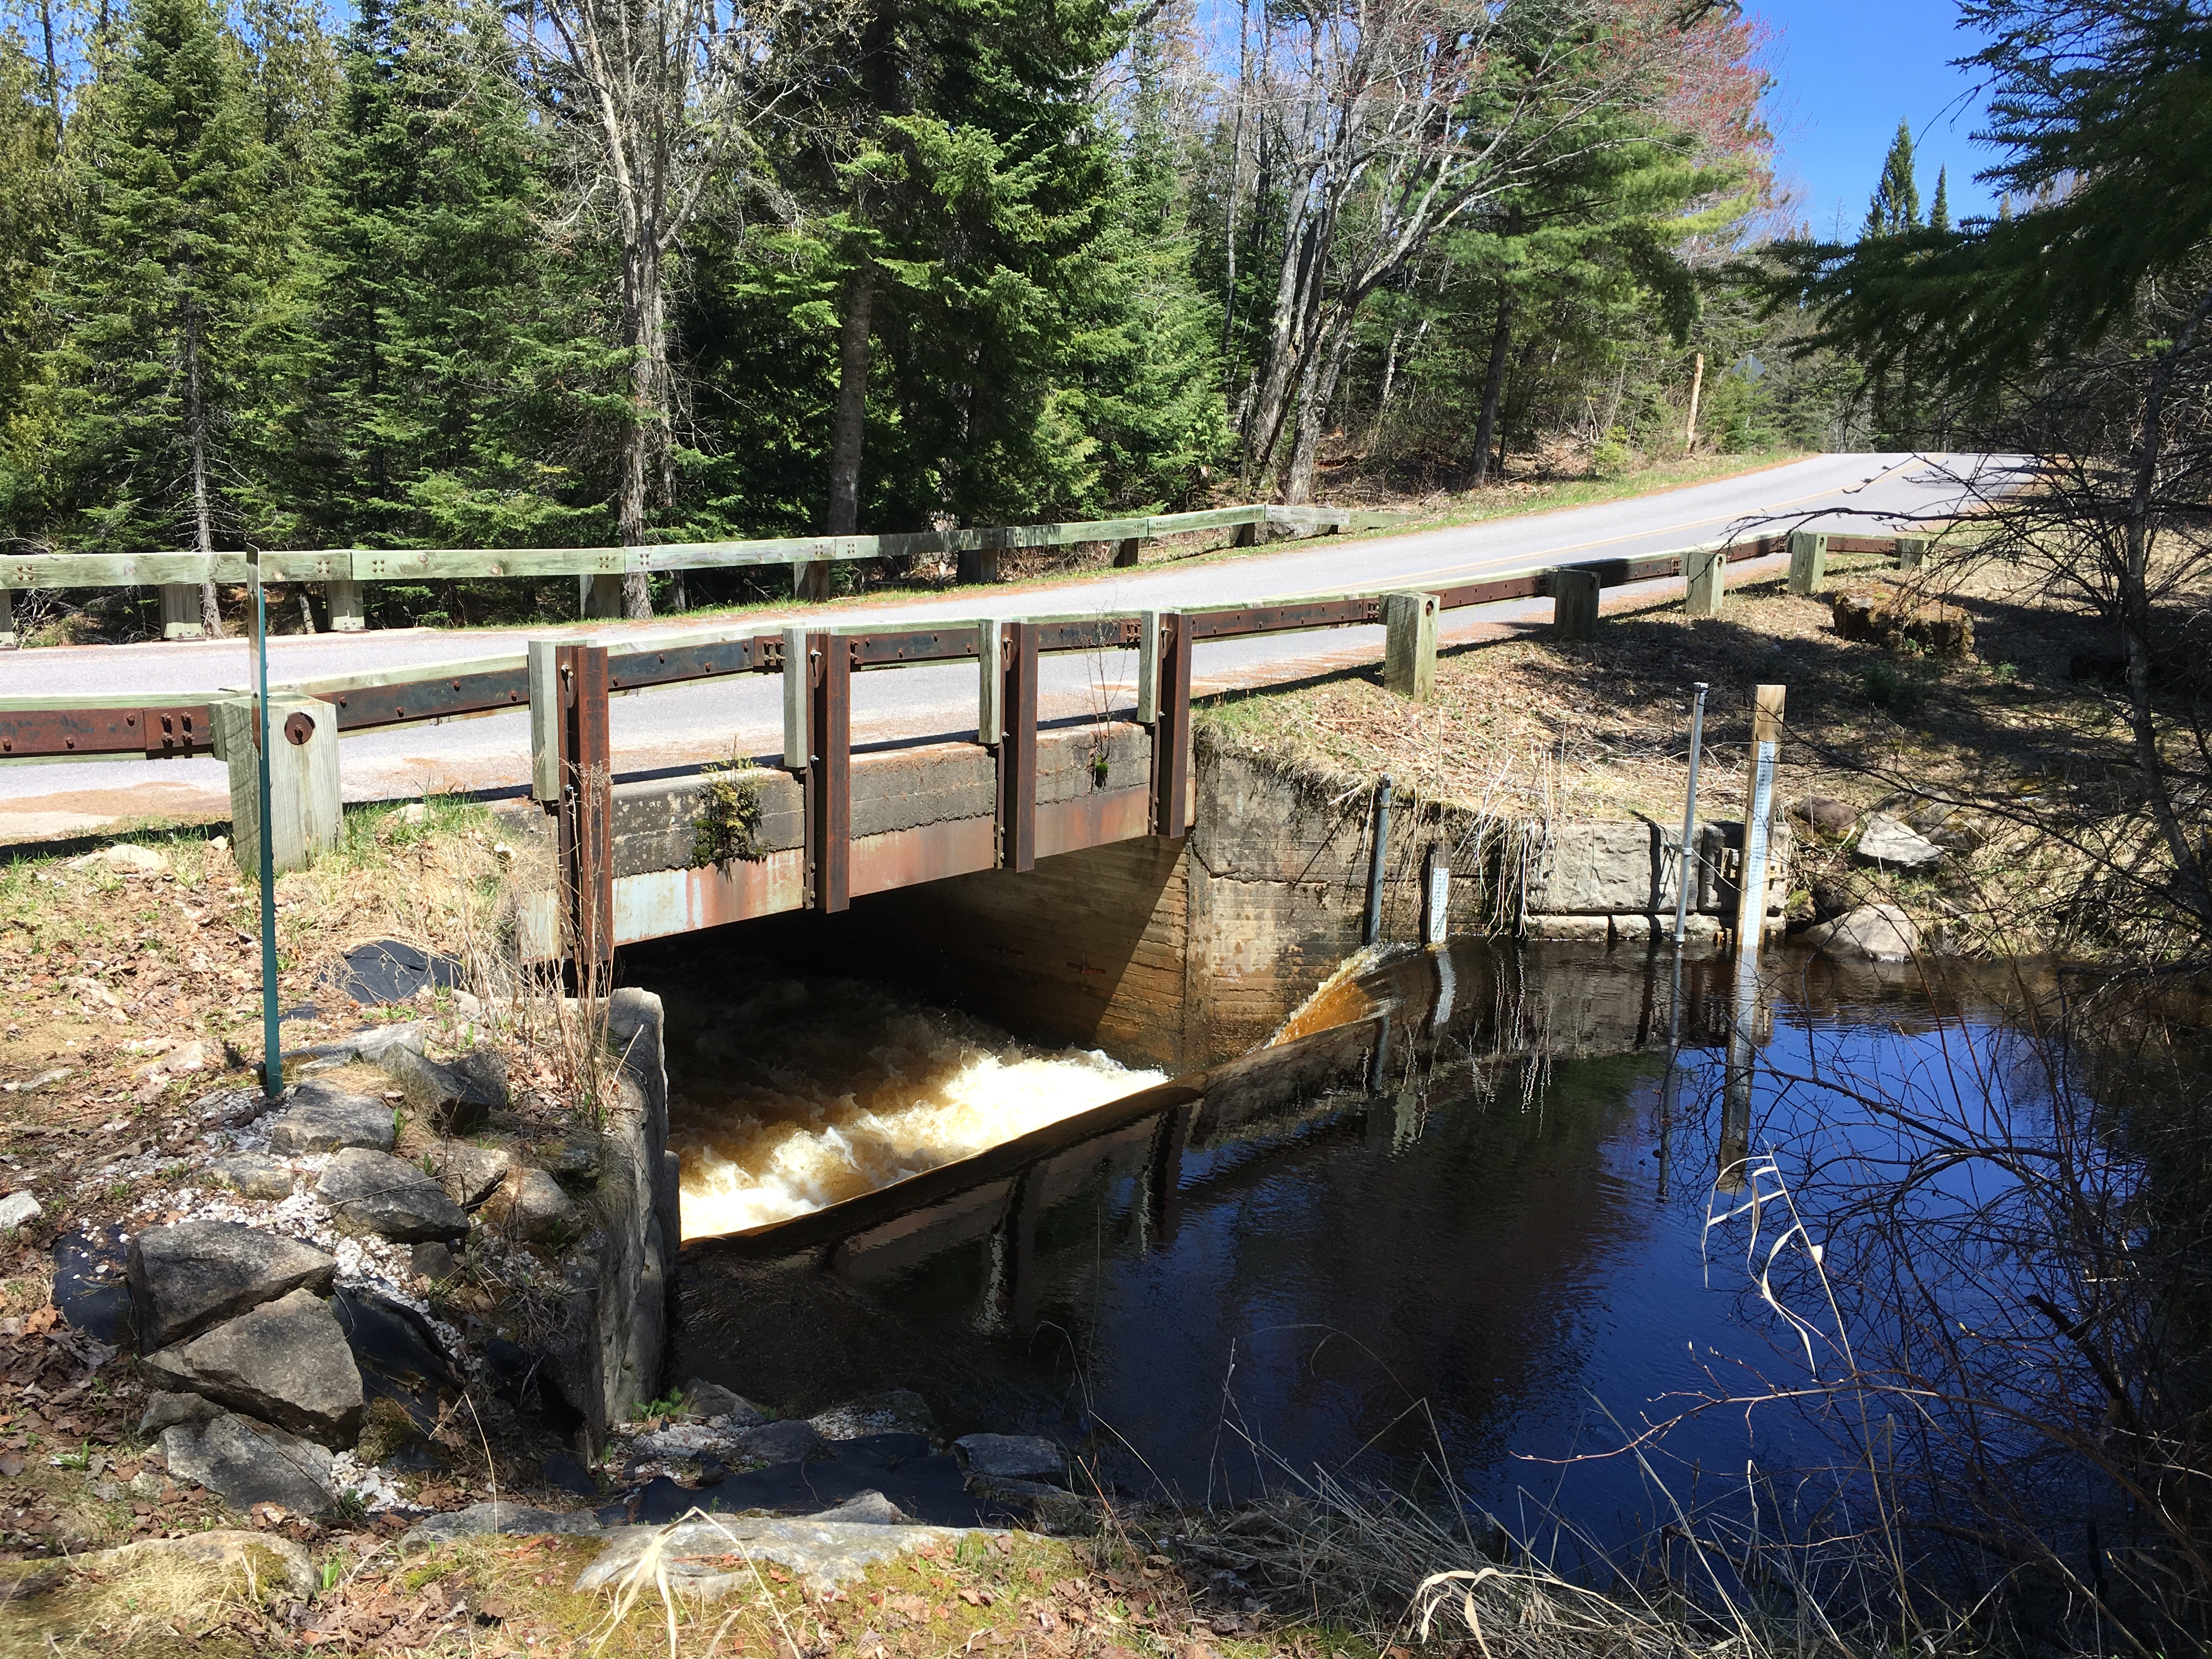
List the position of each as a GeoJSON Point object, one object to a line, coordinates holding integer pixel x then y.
{"type": "Point", "coordinates": [575, 1160]}
{"type": "Point", "coordinates": [711, 1401]}
{"type": "Point", "coordinates": [1888, 840]}
{"type": "Point", "coordinates": [376, 1042]}
{"type": "Point", "coordinates": [244, 1463]}
{"type": "Point", "coordinates": [469, 1173]}
{"type": "Point", "coordinates": [1580, 930]}
{"type": "Point", "coordinates": [866, 1509]}
{"type": "Point", "coordinates": [188, 1277]}
{"type": "Point", "coordinates": [1012, 1456]}
{"type": "Point", "coordinates": [166, 1411]}
{"type": "Point", "coordinates": [376, 1193]}
{"type": "Point", "coordinates": [323, 1119]}
{"type": "Point", "coordinates": [263, 1558]}
{"type": "Point", "coordinates": [286, 1363]}
{"type": "Point", "coordinates": [19, 1210]}
{"type": "Point", "coordinates": [820, 1554]}
{"type": "Point", "coordinates": [249, 1175]}
{"type": "Point", "coordinates": [1828, 815]}
{"type": "Point", "coordinates": [789, 1441]}
{"type": "Point", "coordinates": [531, 1205]}
{"type": "Point", "coordinates": [894, 1411]}
{"type": "Point", "coordinates": [432, 1260]}
{"type": "Point", "coordinates": [1954, 829]}
{"type": "Point", "coordinates": [455, 1095]}
{"type": "Point", "coordinates": [1872, 932]}
{"type": "Point", "coordinates": [479, 1520]}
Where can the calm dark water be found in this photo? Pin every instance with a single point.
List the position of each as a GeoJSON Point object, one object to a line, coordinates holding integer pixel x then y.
{"type": "Point", "coordinates": [1483, 1218]}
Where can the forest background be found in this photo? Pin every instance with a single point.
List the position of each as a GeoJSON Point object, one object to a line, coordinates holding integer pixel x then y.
{"type": "Point", "coordinates": [454, 273]}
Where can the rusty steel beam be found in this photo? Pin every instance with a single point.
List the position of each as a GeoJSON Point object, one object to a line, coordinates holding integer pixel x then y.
{"type": "Point", "coordinates": [830, 770]}
{"type": "Point", "coordinates": [1281, 618]}
{"type": "Point", "coordinates": [157, 733]}
{"type": "Point", "coordinates": [1527, 586]}
{"type": "Point", "coordinates": [1171, 733]}
{"type": "Point", "coordinates": [430, 699]}
{"type": "Point", "coordinates": [586, 807]}
{"type": "Point", "coordinates": [635, 670]}
{"type": "Point", "coordinates": [1018, 749]}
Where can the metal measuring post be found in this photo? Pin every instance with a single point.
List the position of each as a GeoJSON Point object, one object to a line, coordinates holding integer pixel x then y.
{"type": "Point", "coordinates": [1689, 817]}
{"type": "Point", "coordinates": [1372, 930]}
{"type": "Point", "coordinates": [272, 1054]}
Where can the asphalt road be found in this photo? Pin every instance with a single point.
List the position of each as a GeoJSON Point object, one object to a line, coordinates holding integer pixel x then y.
{"type": "Point", "coordinates": [682, 725]}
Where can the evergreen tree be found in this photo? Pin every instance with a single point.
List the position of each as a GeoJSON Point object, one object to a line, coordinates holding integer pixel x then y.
{"type": "Point", "coordinates": [174, 354]}
{"type": "Point", "coordinates": [1939, 213]}
{"type": "Point", "coordinates": [1895, 207]}
{"type": "Point", "coordinates": [443, 412]}
{"type": "Point", "coordinates": [29, 203]}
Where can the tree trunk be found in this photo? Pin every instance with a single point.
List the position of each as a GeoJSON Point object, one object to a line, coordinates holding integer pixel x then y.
{"type": "Point", "coordinates": [2134, 598]}
{"type": "Point", "coordinates": [1286, 343]}
{"type": "Point", "coordinates": [202, 508]}
{"type": "Point", "coordinates": [1493, 392]}
{"type": "Point", "coordinates": [1315, 397]}
{"type": "Point", "coordinates": [53, 71]}
{"type": "Point", "coordinates": [850, 431]}
{"type": "Point", "coordinates": [645, 437]}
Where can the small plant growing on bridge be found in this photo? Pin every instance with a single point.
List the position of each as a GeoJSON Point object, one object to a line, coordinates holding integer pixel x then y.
{"type": "Point", "coordinates": [730, 814]}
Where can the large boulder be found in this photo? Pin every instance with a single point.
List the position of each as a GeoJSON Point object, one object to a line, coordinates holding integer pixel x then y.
{"type": "Point", "coordinates": [1826, 814]}
{"type": "Point", "coordinates": [1012, 1456]}
{"type": "Point", "coordinates": [244, 1463]}
{"type": "Point", "coordinates": [470, 1173]}
{"type": "Point", "coordinates": [186, 1278]}
{"type": "Point", "coordinates": [1889, 840]}
{"type": "Point", "coordinates": [253, 1175]}
{"type": "Point", "coordinates": [286, 1363]}
{"type": "Point", "coordinates": [531, 1205]}
{"type": "Point", "coordinates": [455, 1095]}
{"type": "Point", "coordinates": [1873, 933]}
{"type": "Point", "coordinates": [371, 1191]}
{"type": "Point", "coordinates": [324, 1118]}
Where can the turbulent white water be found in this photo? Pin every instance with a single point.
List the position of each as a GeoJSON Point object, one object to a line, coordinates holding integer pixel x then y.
{"type": "Point", "coordinates": [804, 1094]}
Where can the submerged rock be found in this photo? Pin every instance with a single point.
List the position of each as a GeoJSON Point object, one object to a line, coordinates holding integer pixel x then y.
{"type": "Point", "coordinates": [1872, 932]}
{"type": "Point", "coordinates": [186, 1278]}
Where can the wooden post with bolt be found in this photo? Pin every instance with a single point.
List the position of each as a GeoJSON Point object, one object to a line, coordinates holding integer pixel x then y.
{"type": "Point", "coordinates": [1705, 581]}
{"type": "Point", "coordinates": [1809, 562]}
{"type": "Point", "coordinates": [1574, 604]}
{"type": "Point", "coordinates": [1409, 645]}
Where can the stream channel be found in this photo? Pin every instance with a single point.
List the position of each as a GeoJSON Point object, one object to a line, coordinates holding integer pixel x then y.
{"type": "Point", "coordinates": [1481, 1209]}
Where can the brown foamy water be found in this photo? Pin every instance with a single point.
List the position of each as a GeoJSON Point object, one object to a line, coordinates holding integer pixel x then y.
{"type": "Point", "coordinates": [806, 1093]}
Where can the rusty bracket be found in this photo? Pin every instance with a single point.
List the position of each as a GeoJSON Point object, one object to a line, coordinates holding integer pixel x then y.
{"type": "Point", "coordinates": [1171, 734]}
{"type": "Point", "coordinates": [830, 771]}
{"type": "Point", "coordinates": [586, 807]}
{"type": "Point", "coordinates": [156, 733]}
{"type": "Point", "coordinates": [1018, 749]}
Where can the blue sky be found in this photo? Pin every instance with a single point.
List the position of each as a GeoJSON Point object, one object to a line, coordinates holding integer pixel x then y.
{"type": "Point", "coordinates": [1846, 72]}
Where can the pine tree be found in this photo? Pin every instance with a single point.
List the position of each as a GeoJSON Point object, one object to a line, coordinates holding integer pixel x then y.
{"type": "Point", "coordinates": [1939, 215]}
{"type": "Point", "coordinates": [443, 334]}
{"type": "Point", "coordinates": [29, 200]}
{"type": "Point", "coordinates": [165, 373]}
{"type": "Point", "coordinates": [1895, 207]}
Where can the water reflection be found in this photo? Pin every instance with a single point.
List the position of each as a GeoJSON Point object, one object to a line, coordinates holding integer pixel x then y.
{"type": "Point", "coordinates": [1455, 1218]}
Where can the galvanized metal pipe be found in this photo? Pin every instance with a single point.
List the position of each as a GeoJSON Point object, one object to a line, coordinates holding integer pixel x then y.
{"type": "Point", "coordinates": [1373, 930]}
{"type": "Point", "coordinates": [272, 1051]}
{"type": "Point", "coordinates": [1688, 853]}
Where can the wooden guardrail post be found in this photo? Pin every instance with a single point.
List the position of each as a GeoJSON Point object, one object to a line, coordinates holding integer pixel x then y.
{"type": "Point", "coordinates": [828, 666]}
{"type": "Point", "coordinates": [1705, 581]}
{"type": "Point", "coordinates": [180, 612]}
{"type": "Point", "coordinates": [1171, 730]}
{"type": "Point", "coordinates": [1758, 816]}
{"type": "Point", "coordinates": [979, 561]}
{"type": "Point", "coordinates": [1574, 604]}
{"type": "Point", "coordinates": [541, 673]}
{"type": "Point", "coordinates": [304, 813]}
{"type": "Point", "coordinates": [798, 687]}
{"type": "Point", "coordinates": [1809, 562]}
{"type": "Point", "coordinates": [600, 598]}
{"type": "Point", "coordinates": [1912, 551]}
{"type": "Point", "coordinates": [1018, 749]}
{"type": "Point", "coordinates": [1148, 667]}
{"type": "Point", "coordinates": [1409, 645]}
{"type": "Point", "coordinates": [587, 811]}
{"type": "Point", "coordinates": [810, 580]}
{"type": "Point", "coordinates": [990, 683]}
{"type": "Point", "coordinates": [343, 601]}
{"type": "Point", "coordinates": [8, 640]}
{"type": "Point", "coordinates": [1126, 551]}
